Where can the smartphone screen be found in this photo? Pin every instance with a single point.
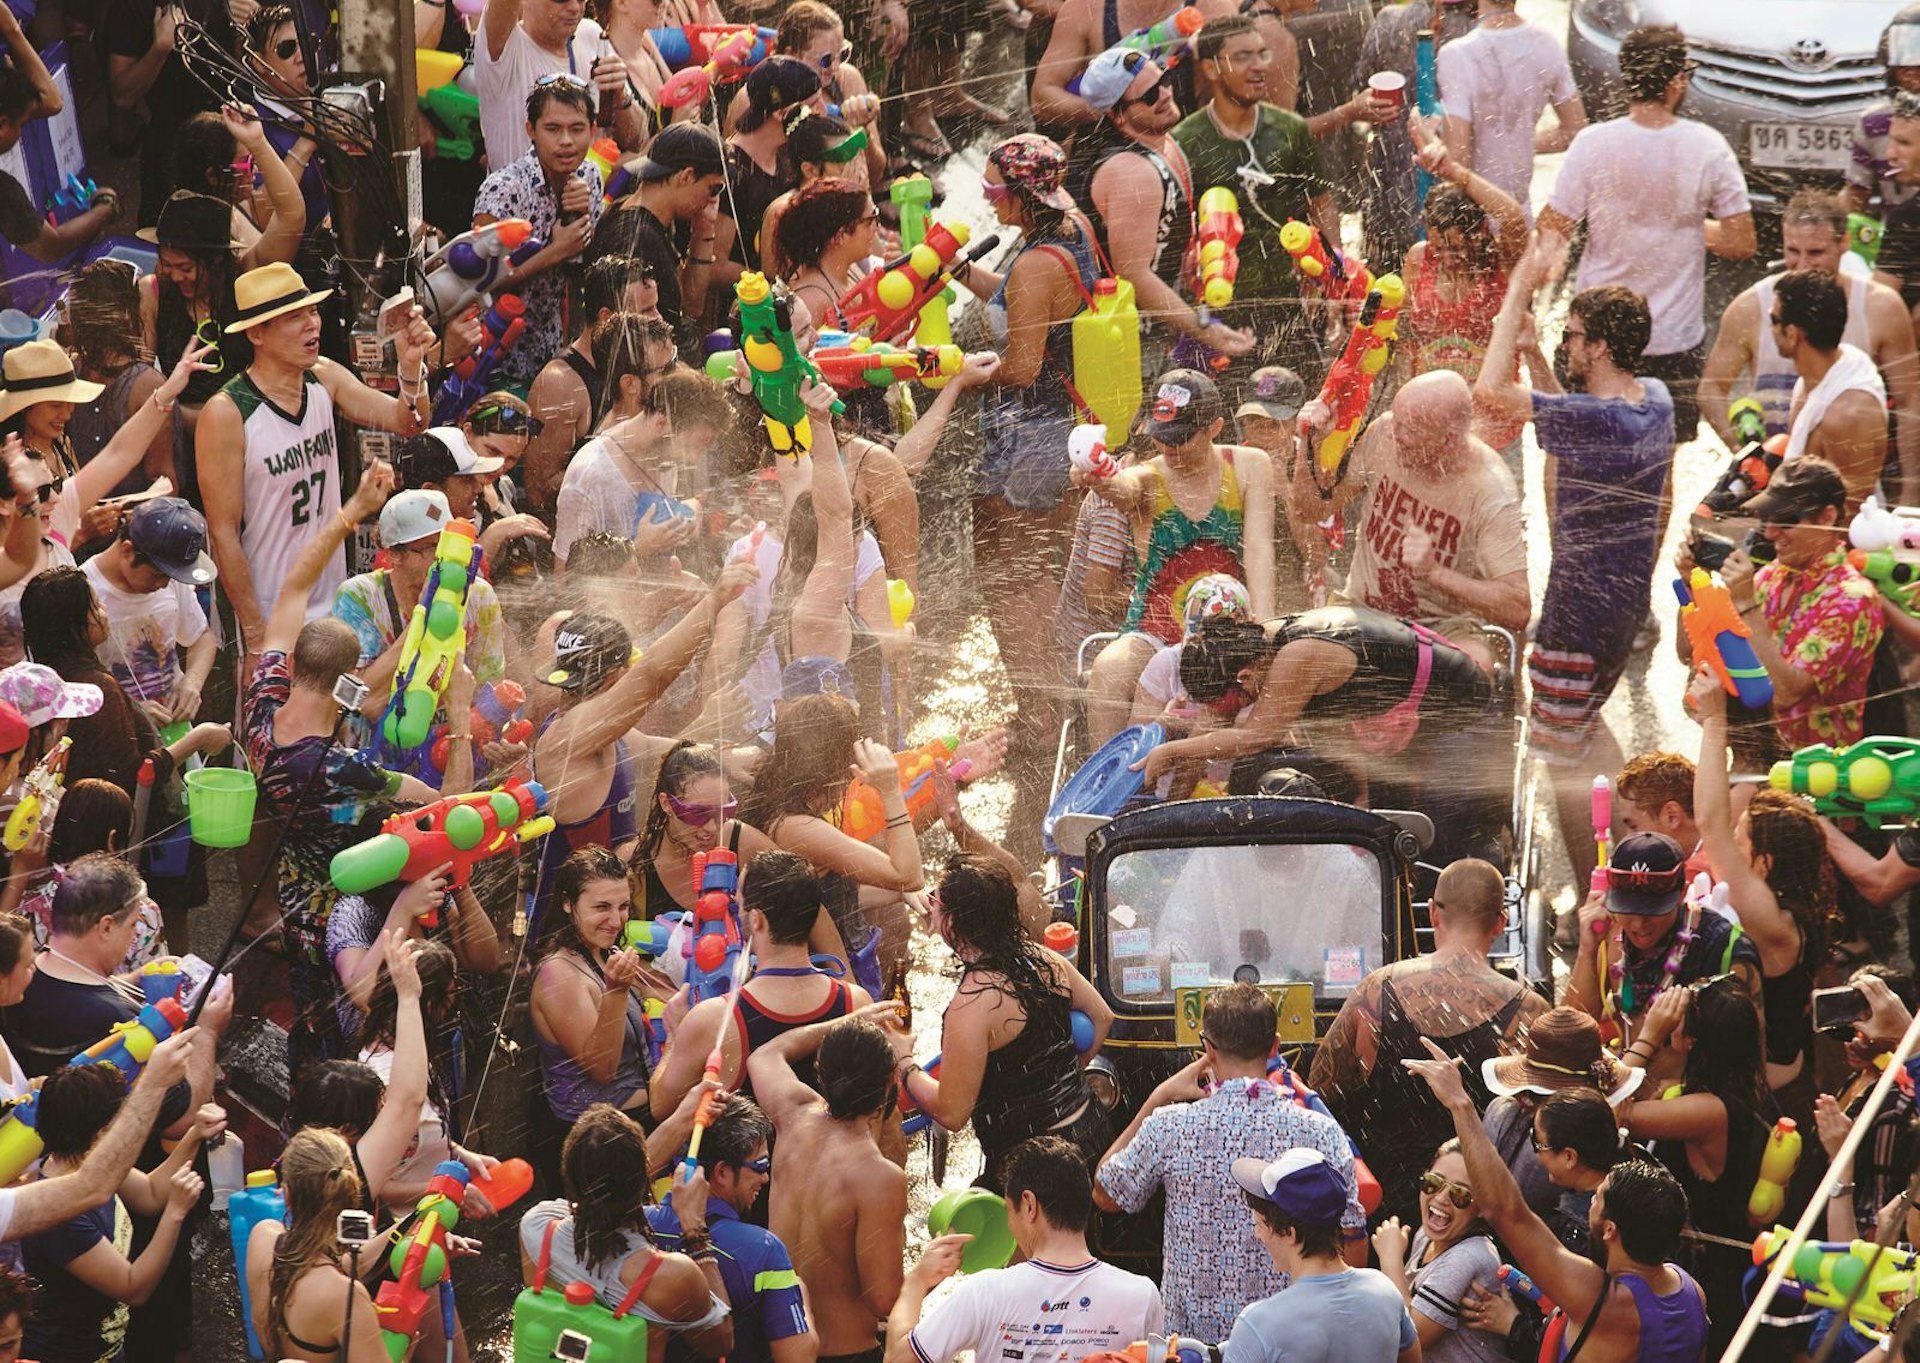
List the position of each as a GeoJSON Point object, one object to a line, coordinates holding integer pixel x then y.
{"type": "Point", "coordinates": [1837, 1009]}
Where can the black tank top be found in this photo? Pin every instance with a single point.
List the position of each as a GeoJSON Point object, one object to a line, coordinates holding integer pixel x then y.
{"type": "Point", "coordinates": [757, 1026]}
{"type": "Point", "coordinates": [1386, 651]}
{"type": "Point", "coordinates": [173, 327]}
{"type": "Point", "coordinates": [589, 379]}
{"type": "Point", "coordinates": [1175, 212]}
{"type": "Point", "coordinates": [1032, 1084]}
{"type": "Point", "coordinates": [1789, 1019]}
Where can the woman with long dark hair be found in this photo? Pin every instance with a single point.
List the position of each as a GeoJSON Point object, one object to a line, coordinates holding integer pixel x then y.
{"type": "Point", "coordinates": [207, 159]}
{"type": "Point", "coordinates": [188, 298]}
{"type": "Point", "coordinates": [826, 236]}
{"type": "Point", "coordinates": [102, 331]}
{"type": "Point", "coordinates": [598, 1234]}
{"type": "Point", "coordinates": [1008, 1060]}
{"type": "Point", "coordinates": [1433, 1264]}
{"type": "Point", "coordinates": [692, 811]}
{"type": "Point", "coordinates": [1773, 858]}
{"type": "Point", "coordinates": [823, 148]}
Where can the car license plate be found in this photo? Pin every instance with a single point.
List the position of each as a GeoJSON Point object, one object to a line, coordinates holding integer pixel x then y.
{"type": "Point", "coordinates": [1798, 146]}
{"type": "Point", "coordinates": [1292, 1002]}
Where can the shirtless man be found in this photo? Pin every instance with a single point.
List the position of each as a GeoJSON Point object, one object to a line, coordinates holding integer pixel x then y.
{"type": "Point", "coordinates": [781, 897]}
{"type": "Point", "coordinates": [1081, 31]}
{"type": "Point", "coordinates": [837, 1202]}
{"type": "Point", "coordinates": [1640, 1304]}
{"type": "Point", "coordinates": [1839, 410]}
{"type": "Point", "coordinates": [1813, 236]}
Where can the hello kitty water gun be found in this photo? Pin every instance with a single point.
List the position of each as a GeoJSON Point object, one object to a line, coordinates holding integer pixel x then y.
{"type": "Point", "coordinates": [1087, 448]}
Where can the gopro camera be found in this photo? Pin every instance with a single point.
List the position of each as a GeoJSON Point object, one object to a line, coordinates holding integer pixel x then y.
{"type": "Point", "coordinates": [572, 1346]}
{"type": "Point", "coordinates": [349, 692]}
{"type": "Point", "coordinates": [354, 1228]}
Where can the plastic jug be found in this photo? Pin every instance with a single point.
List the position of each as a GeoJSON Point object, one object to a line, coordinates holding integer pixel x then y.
{"type": "Point", "coordinates": [1777, 1167]}
{"type": "Point", "coordinates": [539, 1317]}
{"type": "Point", "coordinates": [261, 1200]}
{"type": "Point", "coordinates": [1106, 354]}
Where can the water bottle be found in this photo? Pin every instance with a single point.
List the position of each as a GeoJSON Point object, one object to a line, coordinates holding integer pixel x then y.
{"type": "Point", "coordinates": [226, 1168]}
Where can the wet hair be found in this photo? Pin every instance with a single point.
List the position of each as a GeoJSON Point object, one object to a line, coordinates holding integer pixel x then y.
{"type": "Point", "coordinates": [439, 978]}
{"type": "Point", "coordinates": [1652, 780]}
{"type": "Point", "coordinates": [1816, 208]}
{"type": "Point", "coordinates": [558, 92]}
{"type": "Point", "coordinates": [818, 214]}
{"type": "Point", "coordinates": [600, 553]}
{"type": "Point", "coordinates": [1648, 1207]}
{"type": "Point", "coordinates": [982, 908]}
{"type": "Point", "coordinates": [739, 1129]}
{"type": "Point", "coordinates": [16, 941]}
{"type": "Point", "coordinates": [1650, 57]}
{"type": "Point", "coordinates": [17, 92]}
{"type": "Point", "coordinates": [1726, 1058]}
{"type": "Point", "coordinates": [1616, 317]}
{"type": "Point", "coordinates": [855, 1069]}
{"type": "Point", "coordinates": [813, 738]}
{"type": "Point", "coordinates": [262, 22]}
{"type": "Point", "coordinates": [1799, 872]}
{"type": "Point", "coordinates": [809, 139]}
{"type": "Point", "coordinates": [687, 400]}
{"type": "Point", "coordinates": [1582, 1121]}
{"type": "Point", "coordinates": [1240, 1022]}
{"type": "Point", "coordinates": [324, 651]}
{"type": "Point", "coordinates": [1450, 209]}
{"type": "Point", "coordinates": [98, 885]}
{"type": "Point", "coordinates": [1215, 654]}
{"type": "Point", "coordinates": [619, 343]}
{"type": "Point", "coordinates": [1815, 302]}
{"type": "Point", "coordinates": [1213, 38]}
{"type": "Point", "coordinates": [784, 888]}
{"type": "Point", "coordinates": [1055, 1172]}
{"type": "Point", "coordinates": [57, 610]}
{"type": "Point", "coordinates": [103, 315]}
{"type": "Point", "coordinates": [203, 156]}
{"type": "Point", "coordinates": [91, 814]}
{"type": "Point", "coordinates": [585, 867]}
{"type": "Point", "coordinates": [317, 1174]}
{"type": "Point", "coordinates": [1290, 781]}
{"type": "Point", "coordinates": [603, 286]}
{"type": "Point", "coordinates": [603, 1168]}
{"type": "Point", "coordinates": [801, 22]}
{"type": "Point", "coordinates": [345, 1095]}
{"type": "Point", "coordinates": [685, 763]}
{"type": "Point", "coordinates": [76, 1104]}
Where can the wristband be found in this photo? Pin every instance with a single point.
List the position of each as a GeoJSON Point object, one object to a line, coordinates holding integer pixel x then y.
{"type": "Point", "coordinates": [701, 260]}
{"type": "Point", "coordinates": [1839, 1190]}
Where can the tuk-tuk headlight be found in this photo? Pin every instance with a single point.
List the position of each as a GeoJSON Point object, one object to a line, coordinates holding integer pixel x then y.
{"type": "Point", "coordinates": [1104, 1081]}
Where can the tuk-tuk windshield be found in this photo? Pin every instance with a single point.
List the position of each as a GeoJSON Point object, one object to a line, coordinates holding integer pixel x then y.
{"type": "Point", "coordinates": [1182, 917]}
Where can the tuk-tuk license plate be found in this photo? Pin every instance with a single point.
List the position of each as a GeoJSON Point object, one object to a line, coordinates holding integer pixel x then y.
{"type": "Point", "coordinates": [1293, 1002]}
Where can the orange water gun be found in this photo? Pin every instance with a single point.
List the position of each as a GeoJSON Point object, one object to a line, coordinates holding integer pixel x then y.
{"type": "Point", "coordinates": [861, 814]}
{"type": "Point", "coordinates": [1335, 273]}
{"type": "Point", "coordinates": [1218, 233]}
{"type": "Point", "coordinates": [1349, 386]}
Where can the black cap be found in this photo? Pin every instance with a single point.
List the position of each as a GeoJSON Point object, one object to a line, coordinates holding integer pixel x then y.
{"type": "Point", "coordinates": [587, 648]}
{"type": "Point", "coordinates": [172, 536]}
{"type": "Point", "coordinates": [1185, 402]}
{"type": "Point", "coordinates": [1646, 876]}
{"type": "Point", "coordinates": [780, 83]}
{"type": "Point", "coordinates": [680, 146]}
{"type": "Point", "coordinates": [1798, 488]}
{"type": "Point", "coordinates": [192, 222]}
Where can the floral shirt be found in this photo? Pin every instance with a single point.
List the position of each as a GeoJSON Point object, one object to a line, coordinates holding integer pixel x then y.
{"type": "Point", "coordinates": [1827, 620]}
{"type": "Point", "coordinates": [1214, 1265]}
{"type": "Point", "coordinates": [520, 190]}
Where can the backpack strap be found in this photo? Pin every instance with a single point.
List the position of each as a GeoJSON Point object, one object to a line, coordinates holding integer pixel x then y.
{"type": "Point", "coordinates": [640, 1281]}
{"type": "Point", "coordinates": [546, 1255]}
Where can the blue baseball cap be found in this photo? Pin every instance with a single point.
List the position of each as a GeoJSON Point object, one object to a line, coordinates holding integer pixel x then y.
{"type": "Point", "coordinates": [1300, 1184]}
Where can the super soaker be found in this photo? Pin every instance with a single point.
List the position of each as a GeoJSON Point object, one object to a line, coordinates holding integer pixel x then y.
{"type": "Point", "coordinates": [1777, 1166]}
{"type": "Point", "coordinates": [40, 800]}
{"type": "Point", "coordinates": [465, 270]}
{"type": "Point", "coordinates": [420, 1263]}
{"type": "Point", "coordinates": [1896, 577]}
{"type": "Point", "coordinates": [1750, 470]}
{"type": "Point", "coordinates": [913, 195]}
{"type": "Point", "coordinates": [887, 304]}
{"type": "Point", "coordinates": [1087, 451]}
{"type": "Point", "coordinates": [1721, 640]}
{"type": "Point", "coordinates": [1875, 779]}
{"type": "Point", "coordinates": [1329, 269]}
{"type": "Point", "coordinates": [863, 816]}
{"type": "Point", "coordinates": [732, 58]}
{"type": "Point", "coordinates": [1217, 232]}
{"type": "Point", "coordinates": [1106, 355]}
{"type": "Point", "coordinates": [1349, 385]}
{"type": "Point", "coordinates": [775, 365]}
{"type": "Point", "coordinates": [1163, 42]}
{"type": "Point", "coordinates": [681, 47]}
{"type": "Point", "coordinates": [127, 1047]}
{"type": "Point", "coordinates": [1602, 830]}
{"type": "Point", "coordinates": [435, 641]}
{"type": "Point", "coordinates": [462, 829]}
{"type": "Point", "coordinates": [876, 364]}
{"type": "Point", "coordinates": [715, 948]}
{"type": "Point", "coordinates": [1876, 527]}
{"type": "Point", "coordinates": [1876, 1279]}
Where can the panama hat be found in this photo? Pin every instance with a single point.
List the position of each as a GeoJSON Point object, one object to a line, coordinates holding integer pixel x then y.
{"type": "Point", "coordinates": [40, 371]}
{"type": "Point", "coordinates": [269, 292]}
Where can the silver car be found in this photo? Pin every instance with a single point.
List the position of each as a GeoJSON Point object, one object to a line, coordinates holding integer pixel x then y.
{"type": "Point", "coordinates": [1782, 80]}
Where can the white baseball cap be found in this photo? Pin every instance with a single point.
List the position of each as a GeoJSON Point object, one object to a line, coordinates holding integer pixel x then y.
{"type": "Point", "coordinates": [415, 514]}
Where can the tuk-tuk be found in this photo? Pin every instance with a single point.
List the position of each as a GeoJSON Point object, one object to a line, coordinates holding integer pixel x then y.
{"type": "Point", "coordinates": [1302, 897]}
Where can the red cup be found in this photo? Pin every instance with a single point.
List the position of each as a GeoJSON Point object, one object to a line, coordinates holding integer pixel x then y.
{"type": "Point", "coordinates": [1389, 86]}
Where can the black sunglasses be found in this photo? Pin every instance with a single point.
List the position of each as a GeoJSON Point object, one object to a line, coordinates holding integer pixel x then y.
{"type": "Point", "coordinates": [286, 49]}
{"type": "Point", "coordinates": [1152, 92]}
{"type": "Point", "coordinates": [496, 418]}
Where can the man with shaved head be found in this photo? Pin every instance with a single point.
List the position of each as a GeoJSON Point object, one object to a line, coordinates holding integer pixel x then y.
{"type": "Point", "coordinates": [1610, 441]}
{"type": "Point", "coordinates": [1440, 538]}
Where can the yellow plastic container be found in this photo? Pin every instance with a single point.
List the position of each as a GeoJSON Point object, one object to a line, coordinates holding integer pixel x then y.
{"type": "Point", "coordinates": [1106, 356]}
{"type": "Point", "coordinates": [432, 69]}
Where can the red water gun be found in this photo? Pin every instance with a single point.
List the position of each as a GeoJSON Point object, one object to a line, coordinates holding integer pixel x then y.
{"type": "Point", "coordinates": [886, 305]}
{"type": "Point", "coordinates": [876, 364]}
{"type": "Point", "coordinates": [1291, 1085]}
{"type": "Point", "coordinates": [1349, 385]}
{"type": "Point", "coordinates": [1336, 274]}
{"type": "Point", "coordinates": [731, 59]}
{"type": "Point", "coordinates": [715, 947]}
{"type": "Point", "coordinates": [861, 814]}
{"type": "Point", "coordinates": [419, 1263]}
{"type": "Point", "coordinates": [462, 829]}
{"type": "Point", "coordinates": [494, 718]}
{"type": "Point", "coordinates": [1217, 234]}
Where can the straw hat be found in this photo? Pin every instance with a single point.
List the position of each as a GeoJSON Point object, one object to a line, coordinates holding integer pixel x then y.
{"type": "Point", "coordinates": [1563, 1052]}
{"type": "Point", "coordinates": [40, 371]}
{"type": "Point", "coordinates": [269, 292]}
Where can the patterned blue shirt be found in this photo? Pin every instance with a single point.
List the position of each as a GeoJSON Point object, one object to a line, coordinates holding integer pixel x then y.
{"type": "Point", "coordinates": [1214, 1265]}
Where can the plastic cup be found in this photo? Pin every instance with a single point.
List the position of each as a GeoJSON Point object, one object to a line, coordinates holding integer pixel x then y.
{"type": "Point", "coordinates": [1390, 86]}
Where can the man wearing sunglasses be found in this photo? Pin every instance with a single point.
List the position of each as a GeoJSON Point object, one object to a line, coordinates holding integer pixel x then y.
{"type": "Point", "coordinates": [1839, 410]}
{"type": "Point", "coordinates": [1136, 187]}
{"type": "Point", "coordinates": [770, 1322]}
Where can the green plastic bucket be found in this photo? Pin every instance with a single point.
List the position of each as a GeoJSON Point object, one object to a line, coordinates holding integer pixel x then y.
{"type": "Point", "coordinates": [981, 1214]}
{"type": "Point", "coordinates": [220, 806]}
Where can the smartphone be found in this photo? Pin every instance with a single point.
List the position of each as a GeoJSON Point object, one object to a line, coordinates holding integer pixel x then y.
{"type": "Point", "coordinates": [572, 1346]}
{"type": "Point", "coordinates": [353, 1228]}
{"type": "Point", "coordinates": [1837, 1009]}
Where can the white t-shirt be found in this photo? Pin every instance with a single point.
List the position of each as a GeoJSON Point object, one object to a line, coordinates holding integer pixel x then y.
{"type": "Point", "coordinates": [503, 85]}
{"type": "Point", "coordinates": [762, 681]}
{"type": "Point", "coordinates": [1040, 1313]}
{"type": "Point", "coordinates": [13, 644]}
{"type": "Point", "coordinates": [1499, 80]}
{"type": "Point", "coordinates": [598, 493]}
{"type": "Point", "coordinates": [1646, 194]}
{"type": "Point", "coordinates": [143, 630]}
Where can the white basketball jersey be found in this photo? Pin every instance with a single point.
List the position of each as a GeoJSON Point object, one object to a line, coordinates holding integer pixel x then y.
{"type": "Point", "coordinates": [291, 477]}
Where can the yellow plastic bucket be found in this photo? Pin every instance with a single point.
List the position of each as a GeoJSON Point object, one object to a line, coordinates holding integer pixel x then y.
{"type": "Point", "coordinates": [981, 1214]}
{"type": "Point", "coordinates": [220, 806]}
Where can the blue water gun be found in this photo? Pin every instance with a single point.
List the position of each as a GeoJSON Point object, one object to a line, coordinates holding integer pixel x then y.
{"type": "Point", "coordinates": [1514, 1280]}
{"type": "Point", "coordinates": [649, 937]}
{"type": "Point", "coordinates": [716, 945]}
{"type": "Point", "coordinates": [71, 199]}
{"type": "Point", "coordinates": [1426, 100]}
{"type": "Point", "coordinates": [472, 377]}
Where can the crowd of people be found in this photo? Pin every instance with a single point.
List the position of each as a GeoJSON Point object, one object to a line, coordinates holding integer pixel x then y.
{"type": "Point", "coordinates": [692, 631]}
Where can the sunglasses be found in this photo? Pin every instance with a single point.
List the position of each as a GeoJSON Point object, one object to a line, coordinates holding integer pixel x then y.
{"type": "Point", "coordinates": [499, 419]}
{"type": "Point", "coordinates": [762, 1166]}
{"type": "Point", "coordinates": [699, 816]}
{"type": "Point", "coordinates": [48, 491]}
{"type": "Point", "coordinates": [286, 49]}
{"type": "Point", "coordinates": [1151, 95]}
{"type": "Point", "coordinates": [1457, 1193]}
{"type": "Point", "coordinates": [833, 59]}
{"type": "Point", "coordinates": [1541, 1147]}
{"type": "Point", "coordinates": [993, 193]}
{"type": "Point", "coordinates": [566, 78]}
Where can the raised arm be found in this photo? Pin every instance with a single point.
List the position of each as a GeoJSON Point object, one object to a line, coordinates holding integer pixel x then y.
{"type": "Point", "coordinates": [384, 1144]}
{"type": "Point", "coordinates": [1498, 390]}
{"type": "Point", "coordinates": [287, 226]}
{"type": "Point", "coordinates": [820, 609]}
{"type": "Point", "coordinates": [128, 448]}
{"type": "Point", "coordinates": [1772, 928]}
{"type": "Point", "coordinates": [402, 415]}
{"type": "Point", "coordinates": [290, 607]}
{"type": "Point", "coordinates": [497, 23]}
